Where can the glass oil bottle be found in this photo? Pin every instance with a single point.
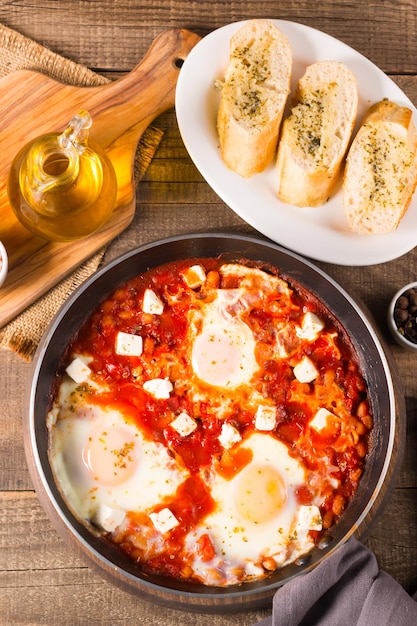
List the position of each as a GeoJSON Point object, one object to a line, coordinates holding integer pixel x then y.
{"type": "Point", "coordinates": [60, 186]}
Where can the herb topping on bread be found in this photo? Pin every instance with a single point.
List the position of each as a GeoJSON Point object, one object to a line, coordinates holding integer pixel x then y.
{"type": "Point", "coordinates": [316, 134]}
{"type": "Point", "coordinates": [253, 96]}
{"type": "Point", "coordinates": [381, 170]}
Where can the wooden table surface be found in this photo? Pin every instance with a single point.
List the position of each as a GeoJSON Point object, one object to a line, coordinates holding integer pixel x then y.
{"type": "Point", "coordinates": [41, 581]}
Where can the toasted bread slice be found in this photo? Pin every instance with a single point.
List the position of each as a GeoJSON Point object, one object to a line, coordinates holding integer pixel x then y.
{"type": "Point", "coordinates": [381, 170]}
{"type": "Point", "coordinates": [316, 135]}
{"type": "Point", "coordinates": [253, 96]}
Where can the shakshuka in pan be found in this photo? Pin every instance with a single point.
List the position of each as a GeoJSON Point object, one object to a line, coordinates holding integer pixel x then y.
{"type": "Point", "coordinates": [210, 419]}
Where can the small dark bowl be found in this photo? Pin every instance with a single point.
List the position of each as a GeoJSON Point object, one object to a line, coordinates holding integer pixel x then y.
{"type": "Point", "coordinates": [399, 336]}
{"type": "Point", "coordinates": [386, 405]}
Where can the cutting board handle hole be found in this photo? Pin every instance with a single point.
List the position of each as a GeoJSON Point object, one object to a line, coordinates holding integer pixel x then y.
{"type": "Point", "coordinates": [55, 164]}
{"type": "Point", "coordinates": [179, 63]}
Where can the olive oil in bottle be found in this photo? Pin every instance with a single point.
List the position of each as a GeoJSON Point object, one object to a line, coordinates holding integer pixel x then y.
{"type": "Point", "coordinates": [60, 186]}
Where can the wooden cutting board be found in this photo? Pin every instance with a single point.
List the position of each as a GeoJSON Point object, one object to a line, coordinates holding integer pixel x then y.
{"type": "Point", "coordinates": [32, 104]}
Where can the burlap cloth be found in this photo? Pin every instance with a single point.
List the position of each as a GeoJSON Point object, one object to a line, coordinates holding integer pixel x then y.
{"type": "Point", "coordinates": [23, 334]}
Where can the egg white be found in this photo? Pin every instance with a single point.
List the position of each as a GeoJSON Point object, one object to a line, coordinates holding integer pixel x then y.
{"type": "Point", "coordinates": [98, 458]}
{"type": "Point", "coordinates": [223, 346]}
{"type": "Point", "coordinates": [256, 512]}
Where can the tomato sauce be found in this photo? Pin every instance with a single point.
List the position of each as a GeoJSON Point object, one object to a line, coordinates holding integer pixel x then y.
{"type": "Point", "coordinates": [339, 386]}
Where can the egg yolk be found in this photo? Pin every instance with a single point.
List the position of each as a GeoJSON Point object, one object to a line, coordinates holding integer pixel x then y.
{"type": "Point", "coordinates": [216, 358]}
{"type": "Point", "coordinates": [225, 356]}
{"type": "Point", "coordinates": [110, 455]}
{"type": "Point", "coordinates": [223, 347]}
{"type": "Point", "coordinates": [261, 493]}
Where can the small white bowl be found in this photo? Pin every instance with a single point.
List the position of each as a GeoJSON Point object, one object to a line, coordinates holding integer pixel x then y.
{"type": "Point", "coordinates": [395, 326]}
{"type": "Point", "coordinates": [4, 263]}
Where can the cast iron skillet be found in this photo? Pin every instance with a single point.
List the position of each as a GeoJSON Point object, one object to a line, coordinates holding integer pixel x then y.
{"type": "Point", "coordinates": [386, 404]}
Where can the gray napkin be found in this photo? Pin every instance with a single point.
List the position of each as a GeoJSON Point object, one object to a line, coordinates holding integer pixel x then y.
{"type": "Point", "coordinates": [347, 589]}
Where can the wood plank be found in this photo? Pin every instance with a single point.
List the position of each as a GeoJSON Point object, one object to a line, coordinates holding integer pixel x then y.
{"type": "Point", "coordinates": [124, 30]}
{"type": "Point", "coordinates": [400, 559]}
{"type": "Point", "coordinates": [13, 470]}
{"type": "Point", "coordinates": [52, 598]}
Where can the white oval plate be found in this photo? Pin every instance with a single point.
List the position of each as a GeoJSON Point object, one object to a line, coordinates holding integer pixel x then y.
{"type": "Point", "coordinates": [320, 233]}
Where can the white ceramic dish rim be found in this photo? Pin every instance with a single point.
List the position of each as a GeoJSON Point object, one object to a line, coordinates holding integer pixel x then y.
{"type": "Point", "coordinates": [4, 263]}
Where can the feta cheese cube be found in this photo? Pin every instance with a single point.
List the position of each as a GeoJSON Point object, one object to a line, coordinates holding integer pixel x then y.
{"type": "Point", "coordinates": [151, 303]}
{"type": "Point", "coordinates": [159, 388]}
{"type": "Point", "coordinates": [128, 344]}
{"type": "Point", "coordinates": [183, 424]}
{"type": "Point", "coordinates": [309, 518]}
{"type": "Point", "coordinates": [164, 520]}
{"type": "Point", "coordinates": [320, 420]}
{"type": "Point", "coordinates": [305, 371]}
{"type": "Point", "coordinates": [265, 417]}
{"type": "Point", "coordinates": [78, 371]}
{"type": "Point", "coordinates": [194, 276]}
{"type": "Point", "coordinates": [229, 436]}
{"type": "Point", "coordinates": [107, 518]}
{"type": "Point", "coordinates": [310, 327]}
{"type": "Point", "coordinates": [251, 569]}
{"type": "Point", "coordinates": [334, 482]}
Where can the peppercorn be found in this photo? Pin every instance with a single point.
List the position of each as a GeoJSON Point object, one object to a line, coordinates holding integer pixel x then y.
{"type": "Point", "coordinates": [405, 314]}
